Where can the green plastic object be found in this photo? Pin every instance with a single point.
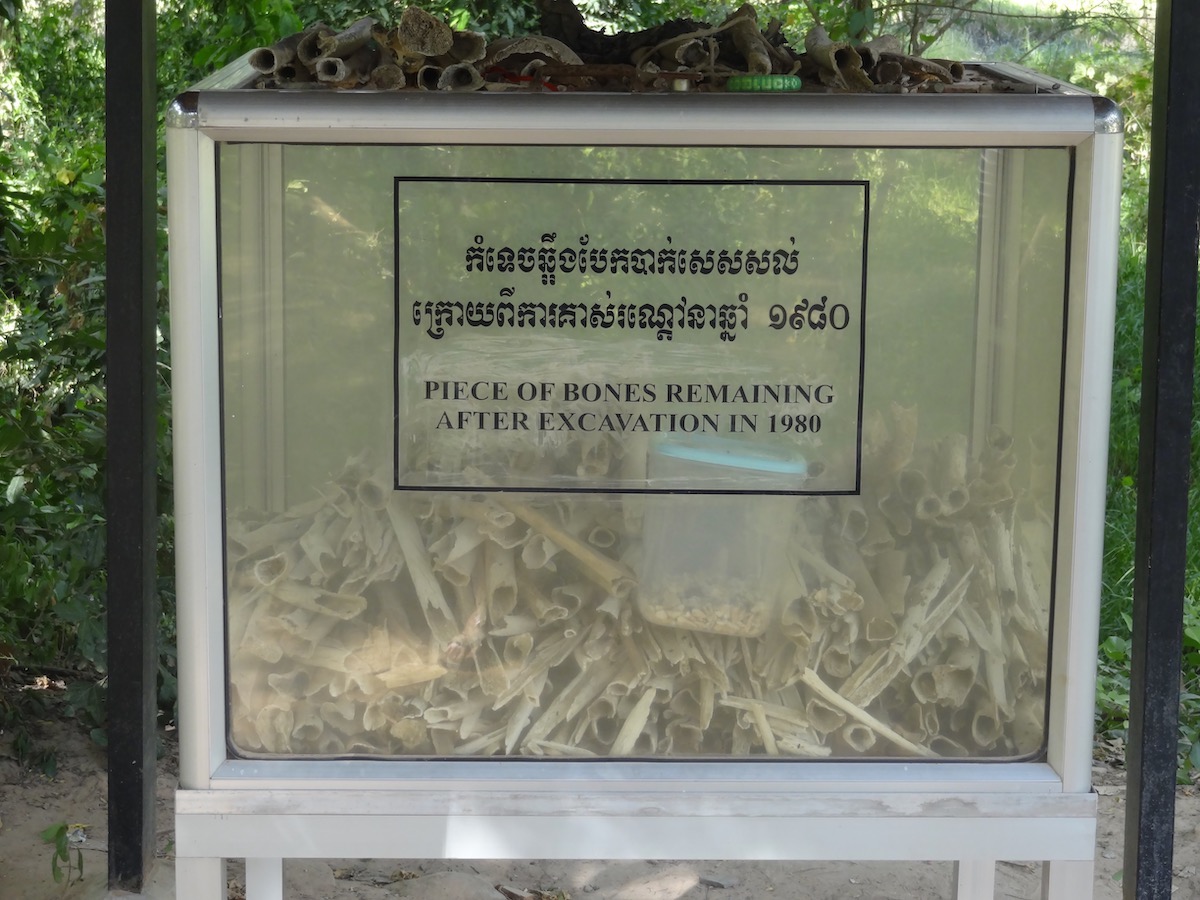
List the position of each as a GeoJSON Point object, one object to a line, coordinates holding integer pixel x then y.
{"type": "Point", "coordinates": [763, 83]}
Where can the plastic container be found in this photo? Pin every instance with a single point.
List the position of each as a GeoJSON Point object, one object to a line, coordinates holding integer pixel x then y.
{"type": "Point", "coordinates": [716, 562]}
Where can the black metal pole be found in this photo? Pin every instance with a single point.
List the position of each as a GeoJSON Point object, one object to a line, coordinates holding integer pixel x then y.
{"type": "Point", "coordinates": [1167, 380]}
{"type": "Point", "coordinates": [131, 513]}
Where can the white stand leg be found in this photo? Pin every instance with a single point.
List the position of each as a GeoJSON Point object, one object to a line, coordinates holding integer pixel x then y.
{"type": "Point", "coordinates": [975, 879]}
{"type": "Point", "coordinates": [264, 878]}
{"type": "Point", "coordinates": [199, 878]}
{"type": "Point", "coordinates": [1068, 879]}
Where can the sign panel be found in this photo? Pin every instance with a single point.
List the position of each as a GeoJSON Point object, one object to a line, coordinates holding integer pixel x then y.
{"type": "Point", "coordinates": [720, 321]}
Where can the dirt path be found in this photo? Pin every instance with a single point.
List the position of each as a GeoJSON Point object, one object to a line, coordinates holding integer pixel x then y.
{"type": "Point", "coordinates": [30, 802]}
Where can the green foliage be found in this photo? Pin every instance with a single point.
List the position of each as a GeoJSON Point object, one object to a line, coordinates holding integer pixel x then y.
{"type": "Point", "coordinates": [851, 20]}
{"type": "Point", "coordinates": [52, 345]}
{"type": "Point", "coordinates": [245, 26]}
{"type": "Point", "coordinates": [60, 52]}
{"type": "Point", "coordinates": [10, 10]}
{"type": "Point", "coordinates": [51, 384]}
{"type": "Point", "coordinates": [1189, 720]}
{"type": "Point", "coordinates": [632, 15]}
{"type": "Point", "coordinates": [235, 27]}
{"type": "Point", "coordinates": [18, 707]}
{"type": "Point", "coordinates": [61, 837]}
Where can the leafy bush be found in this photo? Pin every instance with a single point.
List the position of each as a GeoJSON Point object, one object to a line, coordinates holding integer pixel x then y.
{"type": "Point", "coordinates": [52, 437]}
{"type": "Point", "coordinates": [52, 346]}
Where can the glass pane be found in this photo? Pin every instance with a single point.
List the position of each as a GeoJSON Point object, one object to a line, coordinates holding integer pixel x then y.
{"type": "Point", "coordinates": [779, 481]}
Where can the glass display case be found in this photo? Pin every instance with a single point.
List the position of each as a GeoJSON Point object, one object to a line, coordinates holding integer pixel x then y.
{"type": "Point", "coordinates": [661, 469]}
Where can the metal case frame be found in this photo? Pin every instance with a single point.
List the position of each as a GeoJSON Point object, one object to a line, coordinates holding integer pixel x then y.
{"type": "Point", "coordinates": [973, 813]}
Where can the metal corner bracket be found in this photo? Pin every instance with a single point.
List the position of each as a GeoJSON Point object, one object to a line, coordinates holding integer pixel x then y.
{"type": "Point", "coordinates": [184, 111]}
{"type": "Point", "coordinates": [1109, 119]}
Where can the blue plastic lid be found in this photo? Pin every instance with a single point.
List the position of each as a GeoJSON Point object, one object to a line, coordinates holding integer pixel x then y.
{"type": "Point", "coordinates": [733, 454]}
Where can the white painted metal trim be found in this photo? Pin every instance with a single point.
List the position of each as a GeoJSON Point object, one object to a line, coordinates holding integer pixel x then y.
{"type": "Point", "coordinates": [1068, 879]}
{"type": "Point", "coordinates": [264, 878]}
{"type": "Point", "coordinates": [699, 120]}
{"type": "Point", "coordinates": [200, 878]}
{"type": "Point", "coordinates": [975, 879]}
{"type": "Point", "coordinates": [700, 803]}
{"type": "Point", "coordinates": [197, 456]}
{"type": "Point", "coordinates": [1087, 394]}
{"type": "Point", "coordinates": [726, 777]}
{"type": "Point", "coordinates": [633, 826]}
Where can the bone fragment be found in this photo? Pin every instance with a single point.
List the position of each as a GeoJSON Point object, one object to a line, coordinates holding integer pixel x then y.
{"type": "Point", "coordinates": [880, 624]}
{"type": "Point", "coordinates": [411, 735]}
{"type": "Point", "coordinates": [429, 592]}
{"type": "Point", "coordinates": [819, 564]}
{"type": "Point", "coordinates": [308, 50]}
{"type": "Point", "coordinates": [538, 552]}
{"type": "Point", "coordinates": [318, 600]}
{"type": "Point", "coordinates": [836, 661]}
{"type": "Point", "coordinates": [602, 570]}
{"type": "Point", "coordinates": [546, 657]}
{"type": "Point", "coordinates": [774, 711]}
{"type": "Point", "coordinates": [387, 77]}
{"type": "Point", "coordinates": [872, 50]}
{"type": "Point", "coordinates": [920, 624]}
{"type": "Point", "coordinates": [484, 745]}
{"type": "Point", "coordinates": [459, 77]}
{"type": "Point", "coordinates": [954, 679]}
{"type": "Point", "coordinates": [602, 538]}
{"type": "Point", "coordinates": [950, 468]}
{"type": "Point", "coordinates": [274, 725]}
{"type": "Point", "coordinates": [423, 33]}
{"type": "Point", "coordinates": [347, 42]}
{"type": "Point", "coordinates": [810, 678]}
{"type": "Point", "coordinates": [634, 724]}
{"type": "Point", "coordinates": [799, 619]}
{"type": "Point", "coordinates": [410, 673]}
{"type": "Point", "coordinates": [683, 738]}
{"type": "Point", "coordinates": [878, 537]}
{"type": "Point", "coordinates": [838, 61]}
{"type": "Point", "coordinates": [743, 29]}
{"type": "Point", "coordinates": [898, 512]}
{"type": "Point", "coordinates": [887, 73]}
{"type": "Point", "coordinates": [858, 737]}
{"type": "Point", "coordinates": [556, 748]}
{"type": "Point", "coordinates": [893, 583]}
{"type": "Point", "coordinates": [493, 674]}
{"type": "Point", "coordinates": [270, 59]}
{"type": "Point", "coordinates": [922, 68]}
{"type": "Point", "coordinates": [529, 45]}
{"type": "Point", "coordinates": [853, 515]}
{"type": "Point", "coordinates": [318, 541]}
{"type": "Point", "coordinates": [468, 46]}
{"type": "Point", "coordinates": [956, 69]}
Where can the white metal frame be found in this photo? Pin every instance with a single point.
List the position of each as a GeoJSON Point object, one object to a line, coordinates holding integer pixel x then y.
{"type": "Point", "coordinates": [972, 813]}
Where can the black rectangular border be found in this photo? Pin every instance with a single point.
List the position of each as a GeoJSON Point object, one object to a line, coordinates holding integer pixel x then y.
{"type": "Point", "coordinates": [398, 180]}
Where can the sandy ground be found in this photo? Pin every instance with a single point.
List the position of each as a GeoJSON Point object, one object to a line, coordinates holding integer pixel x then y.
{"type": "Point", "coordinates": [30, 802]}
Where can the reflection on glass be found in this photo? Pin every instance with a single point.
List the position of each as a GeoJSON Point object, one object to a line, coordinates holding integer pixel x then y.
{"type": "Point", "coordinates": [878, 589]}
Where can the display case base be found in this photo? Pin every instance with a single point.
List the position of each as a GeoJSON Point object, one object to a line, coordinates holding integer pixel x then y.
{"type": "Point", "coordinates": [973, 830]}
